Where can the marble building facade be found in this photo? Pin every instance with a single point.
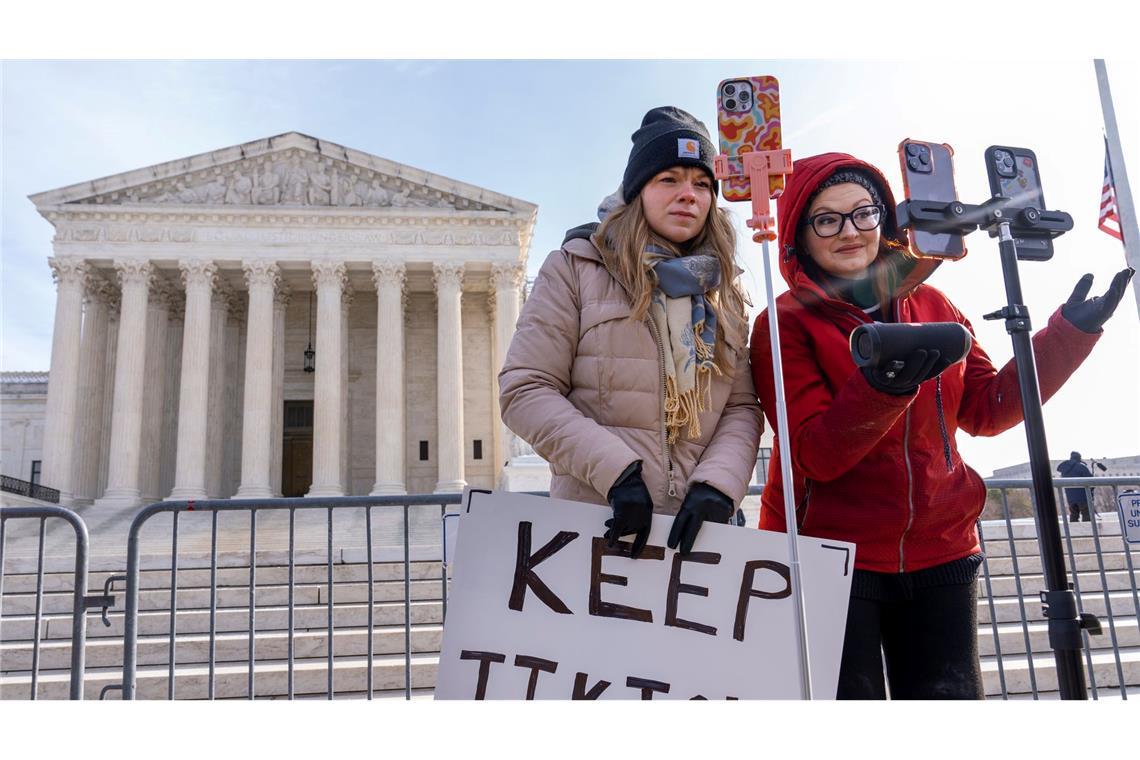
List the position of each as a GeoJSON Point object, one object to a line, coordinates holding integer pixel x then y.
{"type": "Point", "coordinates": [188, 292]}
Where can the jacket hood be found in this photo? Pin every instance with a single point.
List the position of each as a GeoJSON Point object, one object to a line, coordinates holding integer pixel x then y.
{"type": "Point", "coordinates": [807, 175]}
{"type": "Point", "coordinates": [581, 231]}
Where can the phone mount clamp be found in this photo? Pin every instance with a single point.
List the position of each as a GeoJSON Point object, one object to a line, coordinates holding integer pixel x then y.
{"type": "Point", "coordinates": [1009, 222]}
{"type": "Point", "coordinates": [957, 218]}
{"type": "Point", "coordinates": [758, 166]}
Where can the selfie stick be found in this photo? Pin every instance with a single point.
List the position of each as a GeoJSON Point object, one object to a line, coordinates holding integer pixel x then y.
{"type": "Point", "coordinates": [759, 166]}
{"type": "Point", "coordinates": [1000, 217]}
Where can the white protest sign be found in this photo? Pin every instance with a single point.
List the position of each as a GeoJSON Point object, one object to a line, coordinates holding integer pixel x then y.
{"type": "Point", "coordinates": [539, 608]}
{"type": "Point", "coordinates": [1129, 503]}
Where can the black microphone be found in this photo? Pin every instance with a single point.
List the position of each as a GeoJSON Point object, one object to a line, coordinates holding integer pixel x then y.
{"type": "Point", "coordinates": [877, 344]}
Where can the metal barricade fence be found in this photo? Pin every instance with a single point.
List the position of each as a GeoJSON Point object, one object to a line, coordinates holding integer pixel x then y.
{"type": "Point", "coordinates": [1102, 573]}
{"type": "Point", "coordinates": [80, 603]}
{"type": "Point", "coordinates": [360, 506]}
{"type": "Point", "coordinates": [300, 609]}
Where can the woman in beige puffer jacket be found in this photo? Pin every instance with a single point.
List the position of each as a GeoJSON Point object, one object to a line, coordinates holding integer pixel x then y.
{"type": "Point", "coordinates": [592, 378]}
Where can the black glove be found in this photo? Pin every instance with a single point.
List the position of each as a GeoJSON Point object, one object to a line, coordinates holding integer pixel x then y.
{"type": "Point", "coordinates": [902, 377]}
{"type": "Point", "coordinates": [1090, 315]}
{"type": "Point", "coordinates": [633, 509]}
{"type": "Point", "coordinates": [702, 502]}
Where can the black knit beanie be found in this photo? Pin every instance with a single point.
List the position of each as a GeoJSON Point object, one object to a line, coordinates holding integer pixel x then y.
{"type": "Point", "coordinates": [856, 176]}
{"type": "Point", "coordinates": [668, 137]}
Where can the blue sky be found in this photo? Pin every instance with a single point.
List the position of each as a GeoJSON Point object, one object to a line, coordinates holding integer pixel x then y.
{"type": "Point", "coordinates": [556, 133]}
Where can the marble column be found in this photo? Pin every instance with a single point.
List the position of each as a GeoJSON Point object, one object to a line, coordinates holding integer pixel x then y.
{"type": "Point", "coordinates": [346, 419]}
{"type": "Point", "coordinates": [154, 390]}
{"type": "Point", "coordinates": [506, 280]}
{"type": "Point", "coordinates": [172, 372]}
{"type": "Point", "coordinates": [130, 365]}
{"type": "Point", "coordinates": [261, 278]}
{"type": "Point", "coordinates": [280, 306]}
{"type": "Point", "coordinates": [389, 278]}
{"type": "Point", "coordinates": [329, 280]}
{"type": "Point", "coordinates": [449, 376]}
{"type": "Point", "coordinates": [92, 382]}
{"type": "Point", "coordinates": [199, 278]}
{"type": "Point", "coordinates": [234, 383]}
{"type": "Point", "coordinates": [216, 402]}
{"type": "Point", "coordinates": [70, 275]}
{"type": "Point", "coordinates": [113, 314]}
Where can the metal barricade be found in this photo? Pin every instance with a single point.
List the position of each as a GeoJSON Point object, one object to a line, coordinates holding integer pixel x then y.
{"type": "Point", "coordinates": [359, 505]}
{"type": "Point", "coordinates": [81, 601]}
{"type": "Point", "coordinates": [1102, 575]}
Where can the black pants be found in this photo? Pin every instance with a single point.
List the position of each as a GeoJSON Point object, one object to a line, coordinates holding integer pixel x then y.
{"type": "Point", "coordinates": [1079, 510]}
{"type": "Point", "coordinates": [929, 637]}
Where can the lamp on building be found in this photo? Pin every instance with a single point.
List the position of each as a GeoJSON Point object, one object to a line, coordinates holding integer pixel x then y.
{"type": "Point", "coordinates": [310, 354]}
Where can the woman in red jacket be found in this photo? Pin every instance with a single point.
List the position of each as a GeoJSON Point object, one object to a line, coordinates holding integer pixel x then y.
{"type": "Point", "coordinates": [874, 459]}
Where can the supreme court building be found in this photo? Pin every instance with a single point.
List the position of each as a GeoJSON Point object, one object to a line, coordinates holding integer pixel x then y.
{"type": "Point", "coordinates": [190, 293]}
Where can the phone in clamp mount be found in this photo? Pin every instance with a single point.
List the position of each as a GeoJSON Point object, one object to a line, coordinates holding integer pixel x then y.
{"type": "Point", "coordinates": [928, 177]}
{"type": "Point", "coordinates": [1017, 201]}
{"type": "Point", "coordinates": [1015, 177]}
{"type": "Point", "coordinates": [748, 123]}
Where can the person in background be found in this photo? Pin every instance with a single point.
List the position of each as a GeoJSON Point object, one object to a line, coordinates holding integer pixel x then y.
{"type": "Point", "coordinates": [873, 452]}
{"type": "Point", "coordinates": [1078, 498]}
{"type": "Point", "coordinates": [629, 371]}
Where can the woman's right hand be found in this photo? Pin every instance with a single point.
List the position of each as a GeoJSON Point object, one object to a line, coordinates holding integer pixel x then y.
{"type": "Point", "coordinates": [903, 376]}
{"type": "Point", "coordinates": [633, 510]}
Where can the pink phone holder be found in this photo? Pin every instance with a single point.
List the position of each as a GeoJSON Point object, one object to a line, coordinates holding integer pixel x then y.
{"type": "Point", "coordinates": [758, 166]}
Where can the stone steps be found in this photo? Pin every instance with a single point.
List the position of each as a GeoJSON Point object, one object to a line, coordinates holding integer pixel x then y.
{"type": "Point", "coordinates": [1007, 609]}
{"type": "Point", "coordinates": [1012, 636]}
{"type": "Point", "coordinates": [228, 647]}
{"type": "Point", "coordinates": [269, 618]}
{"type": "Point", "coordinates": [1084, 563]}
{"type": "Point", "coordinates": [1030, 547]}
{"type": "Point", "coordinates": [1031, 585]}
{"type": "Point", "coordinates": [25, 582]}
{"type": "Point", "coordinates": [230, 679]}
{"type": "Point", "coordinates": [311, 677]}
{"type": "Point", "coordinates": [60, 602]}
{"type": "Point", "coordinates": [1017, 677]}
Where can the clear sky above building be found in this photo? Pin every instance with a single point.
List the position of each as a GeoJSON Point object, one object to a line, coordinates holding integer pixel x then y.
{"type": "Point", "coordinates": [556, 133]}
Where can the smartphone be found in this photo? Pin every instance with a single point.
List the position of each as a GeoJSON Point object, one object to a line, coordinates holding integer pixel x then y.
{"type": "Point", "coordinates": [748, 119]}
{"type": "Point", "coordinates": [1013, 174]}
{"type": "Point", "coordinates": [928, 175]}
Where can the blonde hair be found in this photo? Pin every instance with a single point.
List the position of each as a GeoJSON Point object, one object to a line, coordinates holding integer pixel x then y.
{"type": "Point", "coordinates": [623, 237]}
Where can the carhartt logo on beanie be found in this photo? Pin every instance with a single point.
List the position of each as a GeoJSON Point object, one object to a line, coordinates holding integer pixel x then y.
{"type": "Point", "coordinates": [668, 137]}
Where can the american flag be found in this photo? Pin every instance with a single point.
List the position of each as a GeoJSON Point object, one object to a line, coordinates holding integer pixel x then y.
{"type": "Point", "coordinates": [1108, 213]}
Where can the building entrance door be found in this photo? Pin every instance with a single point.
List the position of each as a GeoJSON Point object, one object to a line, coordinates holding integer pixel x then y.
{"type": "Point", "coordinates": [297, 456]}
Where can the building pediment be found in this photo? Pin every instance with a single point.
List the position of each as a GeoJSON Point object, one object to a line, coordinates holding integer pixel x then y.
{"type": "Point", "coordinates": [286, 171]}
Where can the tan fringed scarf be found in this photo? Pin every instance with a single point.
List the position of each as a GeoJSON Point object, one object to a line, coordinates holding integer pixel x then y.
{"type": "Point", "coordinates": [686, 325]}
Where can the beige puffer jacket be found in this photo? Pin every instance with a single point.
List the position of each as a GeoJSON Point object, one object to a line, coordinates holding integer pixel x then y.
{"type": "Point", "coordinates": [584, 385]}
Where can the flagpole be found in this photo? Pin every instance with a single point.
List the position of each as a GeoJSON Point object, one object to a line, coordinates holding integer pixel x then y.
{"type": "Point", "coordinates": [1124, 207]}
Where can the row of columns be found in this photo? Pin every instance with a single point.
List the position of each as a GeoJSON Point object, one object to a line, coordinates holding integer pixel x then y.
{"type": "Point", "coordinates": [79, 359]}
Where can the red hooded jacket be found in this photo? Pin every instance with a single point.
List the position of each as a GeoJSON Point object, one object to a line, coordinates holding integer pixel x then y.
{"type": "Point", "coordinates": [880, 470]}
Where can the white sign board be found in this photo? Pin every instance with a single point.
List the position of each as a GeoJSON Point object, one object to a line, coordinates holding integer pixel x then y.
{"type": "Point", "coordinates": [1129, 503]}
{"type": "Point", "coordinates": [540, 609]}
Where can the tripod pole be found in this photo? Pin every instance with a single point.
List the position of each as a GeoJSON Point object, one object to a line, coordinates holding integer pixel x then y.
{"type": "Point", "coordinates": [795, 578]}
{"type": "Point", "coordinates": [1060, 602]}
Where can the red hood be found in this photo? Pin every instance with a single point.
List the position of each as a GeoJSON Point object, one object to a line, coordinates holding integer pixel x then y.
{"type": "Point", "coordinates": [807, 174]}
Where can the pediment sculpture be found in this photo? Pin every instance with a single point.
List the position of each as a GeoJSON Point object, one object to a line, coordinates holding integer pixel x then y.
{"type": "Point", "coordinates": [294, 179]}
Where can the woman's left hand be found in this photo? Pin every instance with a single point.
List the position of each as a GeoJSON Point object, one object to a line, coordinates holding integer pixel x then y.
{"type": "Point", "coordinates": [1089, 315]}
{"type": "Point", "coordinates": [702, 502]}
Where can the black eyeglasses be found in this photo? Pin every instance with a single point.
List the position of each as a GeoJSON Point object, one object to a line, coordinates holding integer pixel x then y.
{"type": "Point", "coordinates": [830, 223]}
